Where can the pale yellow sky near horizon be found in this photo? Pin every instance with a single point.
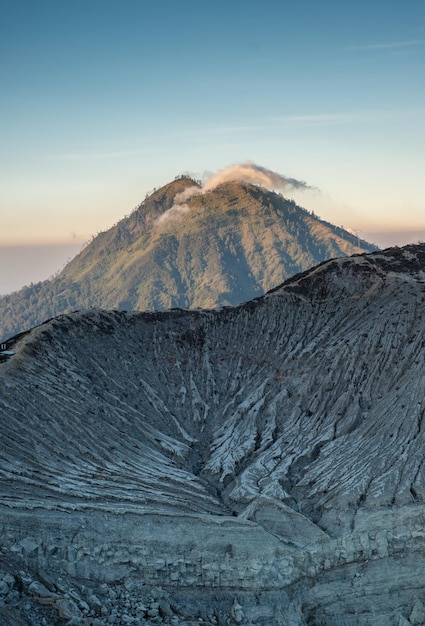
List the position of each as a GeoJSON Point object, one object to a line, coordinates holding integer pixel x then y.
{"type": "Point", "coordinates": [61, 218]}
{"type": "Point", "coordinates": [102, 103]}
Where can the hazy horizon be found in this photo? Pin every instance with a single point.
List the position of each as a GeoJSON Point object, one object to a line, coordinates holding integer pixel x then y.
{"type": "Point", "coordinates": [25, 264]}
{"type": "Point", "coordinates": [21, 265]}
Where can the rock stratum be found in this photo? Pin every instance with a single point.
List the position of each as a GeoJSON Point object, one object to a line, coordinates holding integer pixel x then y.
{"type": "Point", "coordinates": [262, 464]}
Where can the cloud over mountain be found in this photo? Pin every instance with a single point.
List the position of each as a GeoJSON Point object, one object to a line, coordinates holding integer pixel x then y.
{"type": "Point", "coordinates": [246, 172]}
{"type": "Point", "coordinates": [256, 174]}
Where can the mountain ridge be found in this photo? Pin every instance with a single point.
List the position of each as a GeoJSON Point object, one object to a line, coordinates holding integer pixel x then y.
{"type": "Point", "coordinates": [220, 247]}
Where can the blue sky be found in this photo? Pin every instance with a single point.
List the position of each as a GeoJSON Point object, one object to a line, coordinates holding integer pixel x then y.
{"type": "Point", "coordinates": [102, 101]}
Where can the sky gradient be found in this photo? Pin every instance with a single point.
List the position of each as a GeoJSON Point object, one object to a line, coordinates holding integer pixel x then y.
{"type": "Point", "coordinates": [102, 101]}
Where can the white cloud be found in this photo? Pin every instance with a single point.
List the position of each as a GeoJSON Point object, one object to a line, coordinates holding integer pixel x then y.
{"type": "Point", "coordinates": [242, 172]}
{"type": "Point", "coordinates": [388, 46]}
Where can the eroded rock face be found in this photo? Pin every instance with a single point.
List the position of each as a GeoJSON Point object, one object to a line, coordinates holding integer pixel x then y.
{"type": "Point", "coordinates": [268, 457]}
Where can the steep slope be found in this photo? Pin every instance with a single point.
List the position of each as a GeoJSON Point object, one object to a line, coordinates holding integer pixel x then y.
{"type": "Point", "coordinates": [221, 248]}
{"type": "Point", "coordinates": [273, 451]}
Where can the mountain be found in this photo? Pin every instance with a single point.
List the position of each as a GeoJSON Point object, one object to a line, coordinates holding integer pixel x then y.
{"type": "Point", "coordinates": [265, 459]}
{"type": "Point", "coordinates": [221, 247]}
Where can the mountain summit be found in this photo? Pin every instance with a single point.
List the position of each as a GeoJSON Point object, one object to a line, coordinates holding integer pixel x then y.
{"type": "Point", "coordinates": [187, 247]}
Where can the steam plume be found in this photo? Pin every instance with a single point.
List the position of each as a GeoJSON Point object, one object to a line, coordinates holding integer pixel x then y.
{"type": "Point", "coordinates": [251, 173]}
{"type": "Point", "coordinates": [240, 172]}
{"type": "Point", "coordinates": [179, 207]}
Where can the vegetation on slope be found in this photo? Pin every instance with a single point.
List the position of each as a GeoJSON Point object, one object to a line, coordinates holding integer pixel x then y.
{"type": "Point", "coordinates": [227, 246]}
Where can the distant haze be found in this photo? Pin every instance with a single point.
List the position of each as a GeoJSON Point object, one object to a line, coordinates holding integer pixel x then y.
{"type": "Point", "coordinates": [22, 265]}
{"type": "Point", "coordinates": [386, 239]}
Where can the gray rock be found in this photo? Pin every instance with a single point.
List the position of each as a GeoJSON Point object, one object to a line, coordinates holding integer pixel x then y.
{"type": "Point", "coordinates": [94, 602]}
{"type": "Point", "coordinates": [9, 616]}
{"type": "Point", "coordinates": [4, 588]}
{"type": "Point", "coordinates": [164, 608]}
{"type": "Point", "coordinates": [9, 580]}
{"type": "Point", "coordinates": [46, 579]}
{"type": "Point", "coordinates": [13, 598]}
{"type": "Point", "coordinates": [417, 616]}
{"type": "Point", "coordinates": [67, 609]}
{"type": "Point", "coordinates": [84, 606]}
{"type": "Point", "coordinates": [236, 612]}
{"type": "Point", "coordinates": [38, 589]}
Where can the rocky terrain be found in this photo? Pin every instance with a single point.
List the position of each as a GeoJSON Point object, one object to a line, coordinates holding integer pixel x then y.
{"type": "Point", "coordinates": [222, 247]}
{"type": "Point", "coordinates": [258, 465]}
